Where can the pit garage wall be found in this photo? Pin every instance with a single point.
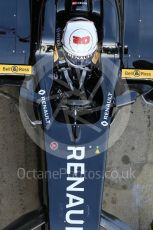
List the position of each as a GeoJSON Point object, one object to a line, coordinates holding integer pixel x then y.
{"type": "Point", "coordinates": [139, 33]}
{"type": "Point", "coordinates": [14, 31]}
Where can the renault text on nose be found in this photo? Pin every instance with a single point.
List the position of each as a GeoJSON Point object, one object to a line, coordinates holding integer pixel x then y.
{"type": "Point", "coordinates": [75, 189]}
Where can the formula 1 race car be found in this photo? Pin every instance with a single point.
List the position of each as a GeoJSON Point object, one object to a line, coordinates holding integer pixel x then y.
{"type": "Point", "coordinates": [77, 62]}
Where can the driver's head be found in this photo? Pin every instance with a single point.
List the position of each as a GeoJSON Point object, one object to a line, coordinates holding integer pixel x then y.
{"type": "Point", "coordinates": [80, 41]}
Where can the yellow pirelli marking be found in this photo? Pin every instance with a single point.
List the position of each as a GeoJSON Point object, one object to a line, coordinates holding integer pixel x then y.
{"type": "Point", "coordinates": [137, 74]}
{"type": "Point", "coordinates": [16, 69]}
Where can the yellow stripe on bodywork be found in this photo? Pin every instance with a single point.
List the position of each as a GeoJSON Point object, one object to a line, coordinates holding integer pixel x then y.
{"type": "Point", "coordinates": [16, 69]}
{"type": "Point", "coordinates": [137, 74]}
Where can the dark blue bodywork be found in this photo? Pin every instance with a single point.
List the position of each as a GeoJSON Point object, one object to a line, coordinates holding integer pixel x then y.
{"type": "Point", "coordinates": [27, 36]}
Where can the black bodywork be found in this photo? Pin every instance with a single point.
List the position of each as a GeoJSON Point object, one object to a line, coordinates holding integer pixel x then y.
{"type": "Point", "coordinates": [125, 42]}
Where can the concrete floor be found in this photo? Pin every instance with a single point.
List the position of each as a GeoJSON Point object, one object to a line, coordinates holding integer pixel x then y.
{"type": "Point", "coordinates": [129, 183]}
{"type": "Point", "coordinates": [129, 186]}
{"type": "Point", "coordinates": [16, 151]}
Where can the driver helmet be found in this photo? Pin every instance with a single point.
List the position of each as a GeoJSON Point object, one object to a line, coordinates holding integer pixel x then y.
{"type": "Point", "coordinates": [80, 41]}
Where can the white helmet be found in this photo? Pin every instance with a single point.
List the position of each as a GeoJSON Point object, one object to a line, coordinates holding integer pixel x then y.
{"type": "Point", "coordinates": [80, 41]}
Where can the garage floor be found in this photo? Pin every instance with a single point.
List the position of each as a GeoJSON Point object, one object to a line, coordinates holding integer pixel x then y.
{"type": "Point", "coordinates": [129, 183]}
{"type": "Point", "coordinates": [129, 186]}
{"type": "Point", "coordinates": [17, 196]}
